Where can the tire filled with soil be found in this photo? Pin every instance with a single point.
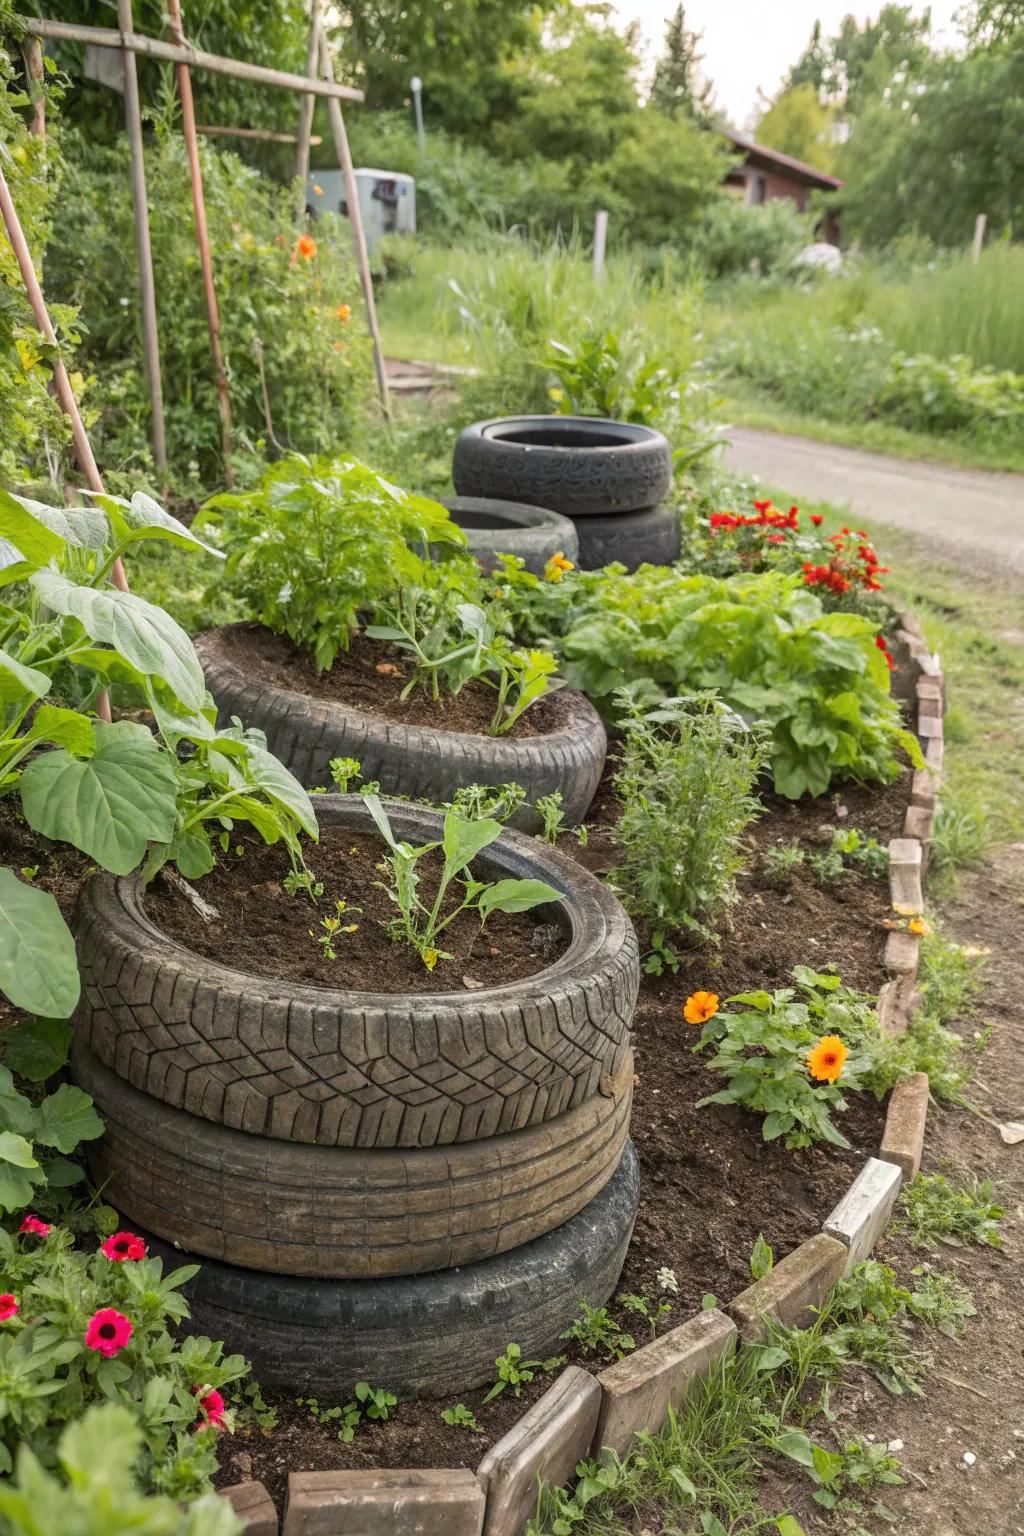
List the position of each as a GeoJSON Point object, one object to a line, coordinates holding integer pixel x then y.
{"type": "Point", "coordinates": [422, 747]}
{"type": "Point", "coordinates": [243, 1021]}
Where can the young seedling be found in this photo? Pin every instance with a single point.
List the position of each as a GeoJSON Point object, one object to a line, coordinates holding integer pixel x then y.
{"type": "Point", "coordinates": [461, 1417]}
{"type": "Point", "coordinates": [478, 802]}
{"type": "Point", "coordinates": [345, 771]}
{"type": "Point", "coordinates": [297, 880]}
{"type": "Point", "coordinates": [333, 925]}
{"type": "Point", "coordinates": [421, 922]}
{"type": "Point", "coordinates": [515, 1373]}
{"type": "Point", "coordinates": [597, 1332]}
{"type": "Point", "coordinates": [651, 1311]}
{"type": "Point", "coordinates": [375, 1402]}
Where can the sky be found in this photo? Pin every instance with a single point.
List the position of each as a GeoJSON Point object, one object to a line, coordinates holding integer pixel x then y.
{"type": "Point", "coordinates": [749, 44]}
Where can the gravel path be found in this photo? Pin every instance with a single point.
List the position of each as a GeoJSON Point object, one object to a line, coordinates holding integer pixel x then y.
{"type": "Point", "coordinates": [969, 513]}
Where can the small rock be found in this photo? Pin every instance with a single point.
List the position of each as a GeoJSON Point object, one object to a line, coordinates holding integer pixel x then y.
{"type": "Point", "coordinates": [895, 1445]}
{"type": "Point", "coordinates": [547, 939]}
{"type": "Point", "coordinates": [970, 1458]}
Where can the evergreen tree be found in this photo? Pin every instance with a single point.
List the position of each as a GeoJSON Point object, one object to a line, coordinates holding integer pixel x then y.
{"type": "Point", "coordinates": [677, 89]}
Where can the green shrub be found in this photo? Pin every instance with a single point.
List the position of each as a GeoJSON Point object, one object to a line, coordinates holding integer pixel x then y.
{"type": "Point", "coordinates": [762, 643]}
{"type": "Point", "coordinates": [278, 310]}
{"type": "Point", "coordinates": [733, 236]}
{"type": "Point", "coordinates": [685, 779]}
{"type": "Point", "coordinates": [319, 544]}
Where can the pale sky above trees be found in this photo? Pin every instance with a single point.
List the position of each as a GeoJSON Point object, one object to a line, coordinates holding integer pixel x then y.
{"type": "Point", "coordinates": [748, 44]}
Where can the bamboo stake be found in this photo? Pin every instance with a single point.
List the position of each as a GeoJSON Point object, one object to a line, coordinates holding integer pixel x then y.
{"type": "Point", "coordinates": [265, 135]}
{"type": "Point", "coordinates": [188, 128]}
{"type": "Point", "coordinates": [195, 58]}
{"type": "Point", "coordinates": [34, 65]}
{"type": "Point", "coordinates": [306, 105]}
{"type": "Point", "coordinates": [62, 384]}
{"type": "Point", "coordinates": [355, 215]}
{"type": "Point", "coordinates": [140, 210]}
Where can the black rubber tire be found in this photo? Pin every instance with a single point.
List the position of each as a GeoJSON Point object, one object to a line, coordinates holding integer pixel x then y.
{"type": "Point", "coordinates": [343, 1212]}
{"type": "Point", "coordinates": [416, 760]}
{"type": "Point", "coordinates": [424, 1335]}
{"type": "Point", "coordinates": [582, 466]}
{"type": "Point", "coordinates": [650, 537]}
{"type": "Point", "coordinates": [494, 528]}
{"type": "Point", "coordinates": [306, 1063]}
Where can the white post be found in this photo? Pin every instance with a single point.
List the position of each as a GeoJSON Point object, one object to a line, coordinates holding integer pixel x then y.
{"type": "Point", "coordinates": [416, 86]}
{"type": "Point", "coordinates": [600, 241]}
{"type": "Point", "coordinates": [979, 235]}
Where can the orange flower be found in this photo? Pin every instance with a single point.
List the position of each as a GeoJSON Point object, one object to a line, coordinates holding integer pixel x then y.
{"type": "Point", "coordinates": [344, 313]}
{"type": "Point", "coordinates": [318, 190]}
{"type": "Point", "coordinates": [918, 925]}
{"type": "Point", "coordinates": [826, 1060]}
{"type": "Point", "coordinates": [557, 567]}
{"type": "Point", "coordinates": [305, 246]}
{"type": "Point", "coordinates": [700, 1006]}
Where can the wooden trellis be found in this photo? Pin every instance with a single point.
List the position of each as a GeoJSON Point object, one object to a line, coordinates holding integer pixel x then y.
{"type": "Point", "coordinates": [318, 81]}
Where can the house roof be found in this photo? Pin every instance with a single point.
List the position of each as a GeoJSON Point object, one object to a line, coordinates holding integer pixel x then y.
{"type": "Point", "coordinates": [798, 170]}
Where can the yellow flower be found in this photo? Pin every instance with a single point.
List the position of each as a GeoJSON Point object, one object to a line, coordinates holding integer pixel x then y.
{"type": "Point", "coordinates": [319, 191]}
{"type": "Point", "coordinates": [700, 1006]}
{"type": "Point", "coordinates": [557, 395]}
{"type": "Point", "coordinates": [826, 1060]}
{"type": "Point", "coordinates": [430, 958]}
{"type": "Point", "coordinates": [344, 313]}
{"type": "Point", "coordinates": [557, 567]}
{"type": "Point", "coordinates": [918, 925]}
{"type": "Point", "coordinates": [350, 928]}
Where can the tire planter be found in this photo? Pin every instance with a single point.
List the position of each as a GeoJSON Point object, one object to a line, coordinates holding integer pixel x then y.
{"type": "Point", "coordinates": [582, 466]}
{"type": "Point", "coordinates": [341, 1212]}
{"type": "Point", "coordinates": [494, 528]}
{"type": "Point", "coordinates": [306, 1063]}
{"type": "Point", "coordinates": [419, 761]}
{"type": "Point", "coordinates": [422, 1335]}
{"type": "Point", "coordinates": [650, 537]}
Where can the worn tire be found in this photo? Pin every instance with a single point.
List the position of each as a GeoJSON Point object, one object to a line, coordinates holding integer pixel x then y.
{"type": "Point", "coordinates": [494, 528]}
{"type": "Point", "coordinates": [343, 1212]}
{"type": "Point", "coordinates": [650, 537]}
{"type": "Point", "coordinates": [422, 1335]}
{"type": "Point", "coordinates": [582, 466]}
{"type": "Point", "coordinates": [301, 1062]}
{"type": "Point", "coordinates": [416, 760]}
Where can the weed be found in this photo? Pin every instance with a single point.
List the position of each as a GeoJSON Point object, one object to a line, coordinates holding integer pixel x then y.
{"type": "Point", "coordinates": [483, 802]}
{"type": "Point", "coordinates": [597, 1332]}
{"type": "Point", "coordinates": [778, 865]}
{"type": "Point", "coordinates": [515, 1373]}
{"type": "Point", "coordinates": [933, 1211]}
{"type": "Point", "coordinates": [345, 771]}
{"type": "Point", "coordinates": [375, 1402]}
{"type": "Point", "coordinates": [961, 835]}
{"type": "Point", "coordinates": [331, 926]}
{"type": "Point", "coordinates": [462, 1417]}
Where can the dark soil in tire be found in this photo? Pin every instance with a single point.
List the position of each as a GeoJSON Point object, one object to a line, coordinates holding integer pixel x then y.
{"type": "Point", "coordinates": [373, 1069]}
{"type": "Point", "coordinates": [344, 1212]}
{"type": "Point", "coordinates": [422, 1335]}
{"type": "Point", "coordinates": [250, 672]}
{"type": "Point", "coordinates": [582, 466]}
{"type": "Point", "coordinates": [650, 537]}
{"type": "Point", "coordinates": [494, 528]}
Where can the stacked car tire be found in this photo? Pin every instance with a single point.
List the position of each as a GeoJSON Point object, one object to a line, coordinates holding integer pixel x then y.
{"type": "Point", "coordinates": [466, 1150]}
{"type": "Point", "coordinates": [609, 478]}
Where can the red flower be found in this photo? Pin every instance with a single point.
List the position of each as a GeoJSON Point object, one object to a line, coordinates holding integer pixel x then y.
{"type": "Point", "coordinates": [817, 518]}
{"type": "Point", "coordinates": [123, 1245]}
{"type": "Point", "coordinates": [775, 538]}
{"type": "Point", "coordinates": [108, 1332]}
{"type": "Point", "coordinates": [35, 1226]}
{"type": "Point", "coordinates": [212, 1405]}
{"type": "Point", "coordinates": [8, 1306]}
{"type": "Point", "coordinates": [761, 506]}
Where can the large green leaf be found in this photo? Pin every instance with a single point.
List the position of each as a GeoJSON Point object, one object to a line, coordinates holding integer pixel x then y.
{"type": "Point", "coordinates": [81, 527]}
{"type": "Point", "coordinates": [38, 966]}
{"type": "Point", "coordinates": [109, 805]}
{"type": "Point", "coordinates": [65, 1118]}
{"type": "Point", "coordinates": [516, 896]}
{"type": "Point", "coordinates": [17, 681]}
{"type": "Point", "coordinates": [139, 631]}
{"type": "Point", "coordinates": [265, 772]}
{"type": "Point", "coordinates": [36, 1048]}
{"type": "Point", "coordinates": [64, 728]}
{"type": "Point", "coordinates": [33, 538]}
{"type": "Point", "coordinates": [464, 839]}
{"type": "Point", "coordinates": [144, 518]}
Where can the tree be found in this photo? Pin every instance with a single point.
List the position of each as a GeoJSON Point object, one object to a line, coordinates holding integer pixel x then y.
{"type": "Point", "coordinates": [662, 175]}
{"type": "Point", "coordinates": [798, 124]}
{"type": "Point", "coordinates": [811, 68]}
{"type": "Point", "coordinates": [677, 88]}
{"type": "Point", "coordinates": [864, 58]}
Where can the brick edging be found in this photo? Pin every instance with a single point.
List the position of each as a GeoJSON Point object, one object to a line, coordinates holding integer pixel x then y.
{"type": "Point", "coordinates": [580, 1414]}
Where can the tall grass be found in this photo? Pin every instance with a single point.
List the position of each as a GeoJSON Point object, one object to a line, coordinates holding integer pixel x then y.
{"type": "Point", "coordinates": [977, 310]}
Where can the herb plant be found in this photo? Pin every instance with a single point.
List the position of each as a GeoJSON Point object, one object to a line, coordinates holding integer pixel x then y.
{"type": "Point", "coordinates": [597, 1333]}
{"type": "Point", "coordinates": [685, 781]}
{"type": "Point", "coordinates": [422, 921]}
{"type": "Point", "coordinates": [320, 543]}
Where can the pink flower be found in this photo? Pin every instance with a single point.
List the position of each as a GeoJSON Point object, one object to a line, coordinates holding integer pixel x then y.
{"type": "Point", "coordinates": [108, 1332]}
{"type": "Point", "coordinates": [212, 1404]}
{"type": "Point", "coordinates": [123, 1245]}
{"type": "Point", "coordinates": [8, 1306]}
{"type": "Point", "coordinates": [35, 1226]}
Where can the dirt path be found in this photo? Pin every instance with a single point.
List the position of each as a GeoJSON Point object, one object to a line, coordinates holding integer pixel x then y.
{"type": "Point", "coordinates": [971, 514]}
{"type": "Point", "coordinates": [975, 1392]}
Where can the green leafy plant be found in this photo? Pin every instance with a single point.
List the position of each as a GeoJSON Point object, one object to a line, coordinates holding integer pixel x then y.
{"type": "Point", "coordinates": [685, 781]}
{"type": "Point", "coordinates": [514, 1373]}
{"type": "Point", "coordinates": [480, 802]}
{"type": "Point", "coordinates": [348, 1417]}
{"type": "Point", "coordinates": [331, 926]}
{"type": "Point", "coordinates": [320, 543]}
{"type": "Point", "coordinates": [651, 1310]}
{"type": "Point", "coordinates": [475, 652]}
{"type": "Point", "coordinates": [91, 1487]}
{"type": "Point", "coordinates": [376, 1402]}
{"type": "Point", "coordinates": [779, 864]}
{"type": "Point", "coordinates": [461, 1417]}
{"type": "Point", "coordinates": [345, 771]}
{"type": "Point", "coordinates": [850, 849]}
{"type": "Point", "coordinates": [422, 922]}
{"type": "Point", "coordinates": [932, 1210]}
{"type": "Point", "coordinates": [763, 643]}
{"type": "Point", "coordinates": [92, 1327]}
{"type": "Point", "coordinates": [597, 1333]}
{"type": "Point", "coordinates": [784, 1051]}
{"type": "Point", "coordinates": [36, 1138]}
